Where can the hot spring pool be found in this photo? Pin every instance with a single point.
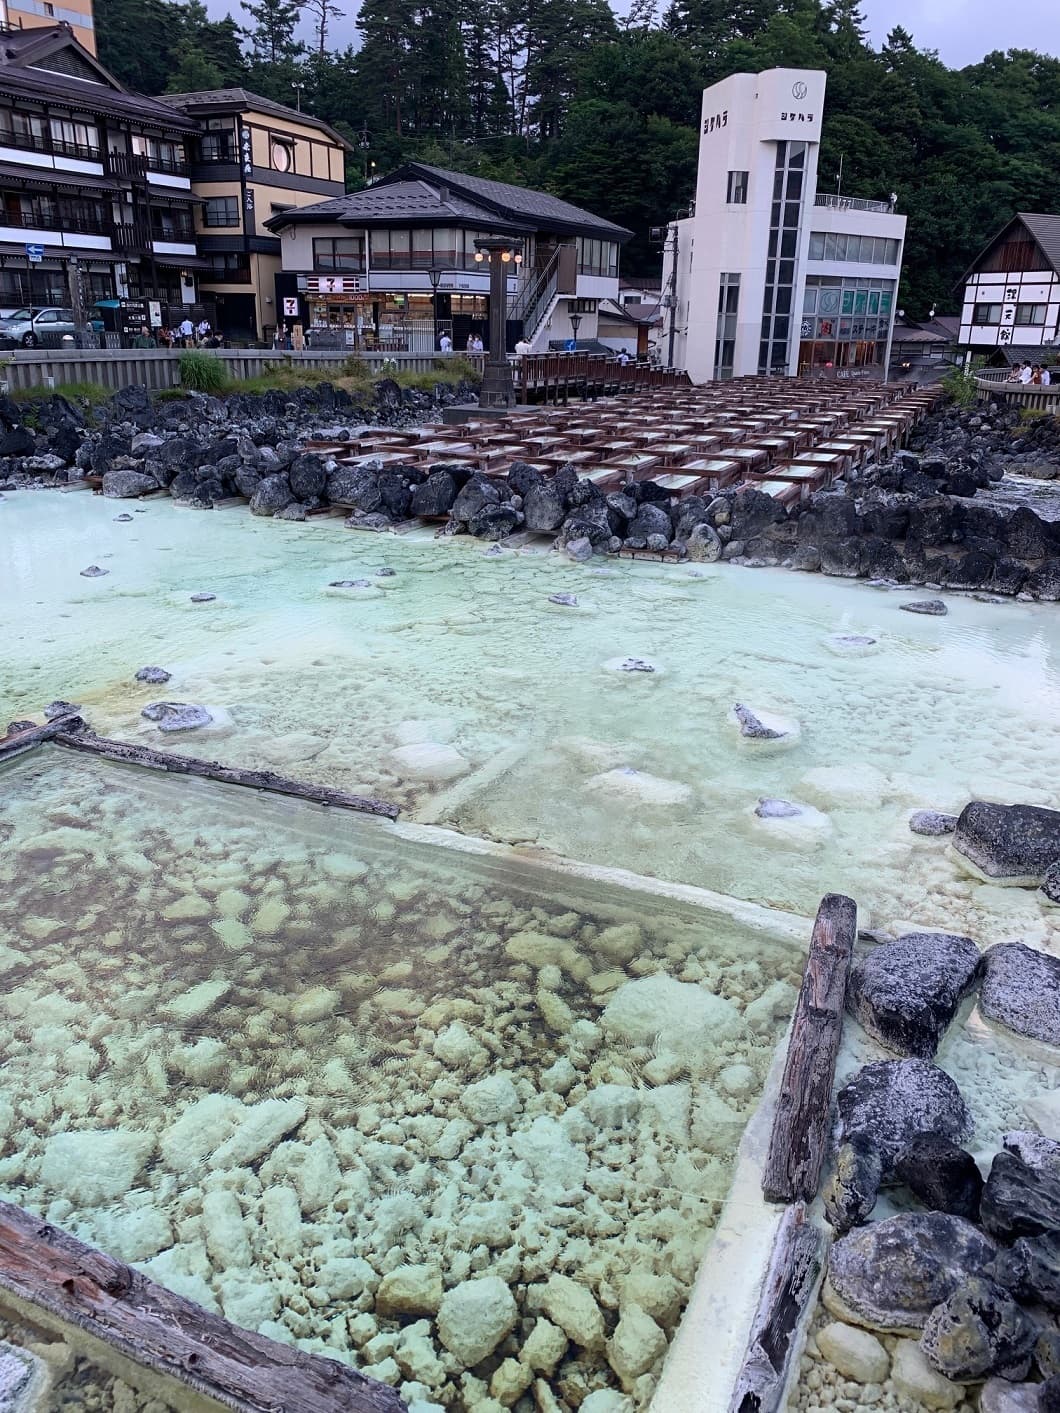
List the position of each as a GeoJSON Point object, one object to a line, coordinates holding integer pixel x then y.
{"type": "Point", "coordinates": [307, 1070]}
{"type": "Point", "coordinates": [456, 688]}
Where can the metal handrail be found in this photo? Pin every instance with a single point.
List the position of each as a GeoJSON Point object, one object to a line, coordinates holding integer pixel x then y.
{"type": "Point", "coordinates": [851, 203]}
{"type": "Point", "coordinates": [532, 301]}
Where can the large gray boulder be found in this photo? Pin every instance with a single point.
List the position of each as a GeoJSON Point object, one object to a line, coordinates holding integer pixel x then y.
{"type": "Point", "coordinates": [1030, 1268]}
{"type": "Point", "coordinates": [942, 1175]}
{"type": "Point", "coordinates": [307, 476]}
{"type": "Point", "coordinates": [891, 1101]}
{"type": "Point", "coordinates": [544, 506]}
{"type": "Point", "coordinates": [273, 494]}
{"type": "Point", "coordinates": [1021, 990]}
{"type": "Point", "coordinates": [1019, 1200]}
{"type": "Point", "coordinates": [1016, 843]}
{"type": "Point", "coordinates": [977, 1331]}
{"type": "Point", "coordinates": [475, 495]}
{"type": "Point", "coordinates": [855, 1182]}
{"type": "Point", "coordinates": [892, 1274]}
{"type": "Point", "coordinates": [906, 992]}
{"type": "Point", "coordinates": [176, 716]}
{"type": "Point", "coordinates": [650, 520]}
{"type": "Point", "coordinates": [119, 485]}
{"type": "Point", "coordinates": [435, 496]}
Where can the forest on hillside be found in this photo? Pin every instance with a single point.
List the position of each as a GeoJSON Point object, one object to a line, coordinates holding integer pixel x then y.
{"type": "Point", "coordinates": [603, 110]}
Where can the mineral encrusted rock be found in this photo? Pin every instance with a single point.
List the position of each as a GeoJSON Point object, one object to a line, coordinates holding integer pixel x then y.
{"type": "Point", "coordinates": [1015, 843]}
{"type": "Point", "coordinates": [572, 1307]}
{"type": "Point", "coordinates": [933, 608]}
{"type": "Point", "coordinates": [154, 675]}
{"type": "Point", "coordinates": [1003, 1396]}
{"type": "Point", "coordinates": [977, 1331]}
{"type": "Point", "coordinates": [176, 716]}
{"type": "Point", "coordinates": [635, 1345]}
{"type": "Point", "coordinates": [410, 1290]}
{"type": "Point", "coordinates": [916, 1378]}
{"type": "Point", "coordinates": [891, 1101]}
{"type": "Point", "coordinates": [932, 822]}
{"type": "Point", "coordinates": [855, 1182]}
{"type": "Point", "coordinates": [1021, 990]}
{"type": "Point", "coordinates": [1019, 1200]}
{"type": "Point", "coordinates": [890, 1275]}
{"type": "Point", "coordinates": [1030, 1268]}
{"type": "Point", "coordinates": [475, 1316]}
{"type": "Point", "coordinates": [906, 992]}
{"type": "Point", "coordinates": [942, 1175]}
{"type": "Point", "coordinates": [1034, 1149]}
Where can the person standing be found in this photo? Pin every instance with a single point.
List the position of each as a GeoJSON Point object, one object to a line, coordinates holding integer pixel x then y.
{"type": "Point", "coordinates": [203, 330]}
{"type": "Point", "coordinates": [1047, 377]}
{"type": "Point", "coordinates": [1026, 373]}
{"type": "Point", "coordinates": [445, 344]}
{"type": "Point", "coordinates": [186, 332]}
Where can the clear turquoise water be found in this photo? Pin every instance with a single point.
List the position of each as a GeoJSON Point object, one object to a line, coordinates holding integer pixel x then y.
{"type": "Point", "coordinates": [465, 650]}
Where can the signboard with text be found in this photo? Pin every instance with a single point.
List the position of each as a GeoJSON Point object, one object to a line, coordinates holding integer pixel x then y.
{"type": "Point", "coordinates": [335, 284]}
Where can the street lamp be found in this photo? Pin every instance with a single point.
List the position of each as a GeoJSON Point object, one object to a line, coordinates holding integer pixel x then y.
{"type": "Point", "coordinates": [434, 274]}
{"type": "Point", "coordinates": [575, 323]}
{"type": "Point", "coordinates": [298, 90]}
{"type": "Point", "coordinates": [498, 390]}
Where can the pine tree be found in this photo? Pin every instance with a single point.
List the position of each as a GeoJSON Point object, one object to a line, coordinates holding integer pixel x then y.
{"type": "Point", "coordinates": [385, 66]}
{"type": "Point", "coordinates": [323, 12]}
{"type": "Point", "coordinates": [272, 36]}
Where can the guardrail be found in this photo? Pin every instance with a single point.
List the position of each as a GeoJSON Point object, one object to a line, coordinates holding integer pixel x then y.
{"type": "Point", "coordinates": [996, 382]}
{"type": "Point", "coordinates": [851, 203]}
{"type": "Point", "coordinates": [160, 368]}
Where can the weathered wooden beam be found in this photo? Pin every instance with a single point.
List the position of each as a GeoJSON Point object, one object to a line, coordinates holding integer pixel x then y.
{"type": "Point", "coordinates": [789, 1285]}
{"type": "Point", "coordinates": [800, 1126]}
{"type": "Point", "coordinates": [33, 735]}
{"type": "Point", "coordinates": [85, 740]}
{"type": "Point", "coordinates": [45, 1269]}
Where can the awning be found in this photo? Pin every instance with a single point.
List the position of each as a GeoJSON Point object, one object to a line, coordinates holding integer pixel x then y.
{"type": "Point", "coordinates": [179, 262]}
{"type": "Point", "coordinates": [37, 176]}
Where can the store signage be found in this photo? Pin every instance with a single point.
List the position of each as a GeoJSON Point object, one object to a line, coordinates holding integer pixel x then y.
{"type": "Point", "coordinates": [716, 121]}
{"type": "Point", "coordinates": [246, 150]}
{"type": "Point", "coordinates": [334, 284]}
{"type": "Point", "coordinates": [796, 117]}
{"type": "Point", "coordinates": [290, 308]}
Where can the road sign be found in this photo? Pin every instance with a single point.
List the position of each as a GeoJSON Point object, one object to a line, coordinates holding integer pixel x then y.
{"type": "Point", "coordinates": [34, 253]}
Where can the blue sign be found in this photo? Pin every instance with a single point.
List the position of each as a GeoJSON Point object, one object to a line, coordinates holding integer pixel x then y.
{"type": "Point", "coordinates": [570, 346]}
{"type": "Point", "coordinates": [34, 253]}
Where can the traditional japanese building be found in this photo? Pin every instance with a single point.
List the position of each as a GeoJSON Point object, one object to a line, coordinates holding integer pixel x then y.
{"type": "Point", "coordinates": [1012, 290]}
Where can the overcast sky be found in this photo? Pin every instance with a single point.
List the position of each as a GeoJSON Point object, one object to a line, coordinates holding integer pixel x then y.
{"type": "Point", "coordinates": [964, 30]}
{"type": "Point", "coordinates": [961, 30]}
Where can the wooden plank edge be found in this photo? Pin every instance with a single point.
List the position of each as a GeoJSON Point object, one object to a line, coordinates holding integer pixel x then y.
{"type": "Point", "coordinates": [33, 735]}
{"type": "Point", "coordinates": [83, 739]}
{"type": "Point", "coordinates": [791, 1280]}
{"type": "Point", "coordinates": [45, 1268]}
{"type": "Point", "coordinates": [800, 1127]}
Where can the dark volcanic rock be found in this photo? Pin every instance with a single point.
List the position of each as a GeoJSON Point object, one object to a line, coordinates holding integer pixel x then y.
{"type": "Point", "coordinates": [153, 674]}
{"type": "Point", "coordinates": [120, 484]}
{"type": "Point", "coordinates": [60, 708]}
{"type": "Point", "coordinates": [752, 728]}
{"type": "Point", "coordinates": [855, 1182]}
{"type": "Point", "coordinates": [893, 1273]}
{"type": "Point", "coordinates": [893, 1100]}
{"type": "Point", "coordinates": [272, 495]}
{"type": "Point", "coordinates": [979, 1330]}
{"type": "Point", "coordinates": [1009, 841]}
{"type": "Point", "coordinates": [475, 495]}
{"type": "Point", "coordinates": [1034, 1149]}
{"type": "Point", "coordinates": [522, 476]}
{"type": "Point", "coordinates": [176, 716]}
{"type": "Point", "coordinates": [1021, 989]}
{"type": "Point", "coordinates": [544, 507]}
{"type": "Point", "coordinates": [1049, 1395]}
{"type": "Point", "coordinates": [495, 522]}
{"type": "Point", "coordinates": [943, 1176]}
{"type": "Point", "coordinates": [18, 442]}
{"type": "Point", "coordinates": [1047, 1353]}
{"type": "Point", "coordinates": [93, 572]}
{"type": "Point", "coordinates": [203, 597]}
{"type": "Point", "coordinates": [1031, 1269]}
{"type": "Point", "coordinates": [1019, 1200]}
{"type": "Point", "coordinates": [934, 608]}
{"type": "Point", "coordinates": [435, 496]}
{"type": "Point", "coordinates": [932, 823]}
{"type": "Point", "coordinates": [1050, 889]}
{"type": "Point", "coordinates": [307, 477]}
{"type": "Point", "coordinates": [906, 992]}
{"type": "Point", "coordinates": [650, 520]}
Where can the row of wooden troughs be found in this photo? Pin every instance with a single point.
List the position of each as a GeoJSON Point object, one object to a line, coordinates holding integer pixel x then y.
{"type": "Point", "coordinates": [786, 438]}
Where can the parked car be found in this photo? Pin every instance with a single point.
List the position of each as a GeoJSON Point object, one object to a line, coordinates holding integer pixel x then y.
{"type": "Point", "coordinates": [50, 325]}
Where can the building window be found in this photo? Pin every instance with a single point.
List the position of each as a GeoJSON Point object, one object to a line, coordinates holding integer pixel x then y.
{"type": "Point", "coordinates": [228, 268]}
{"type": "Point", "coordinates": [862, 250]}
{"type": "Point", "coordinates": [1031, 313]}
{"type": "Point", "coordinates": [162, 155]}
{"type": "Point", "coordinates": [736, 189]}
{"type": "Point", "coordinates": [728, 308]}
{"type": "Point", "coordinates": [582, 306]}
{"type": "Point", "coordinates": [597, 257]}
{"type": "Point", "coordinates": [844, 322]}
{"type": "Point", "coordinates": [74, 139]}
{"type": "Point", "coordinates": [987, 314]}
{"type": "Point", "coordinates": [339, 253]}
{"type": "Point", "coordinates": [281, 154]}
{"type": "Point", "coordinates": [221, 211]}
{"type": "Point", "coordinates": [218, 146]}
{"type": "Point", "coordinates": [171, 223]}
{"type": "Point", "coordinates": [785, 214]}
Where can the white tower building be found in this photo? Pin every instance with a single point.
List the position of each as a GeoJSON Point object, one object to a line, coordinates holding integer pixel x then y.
{"type": "Point", "coordinates": [769, 275]}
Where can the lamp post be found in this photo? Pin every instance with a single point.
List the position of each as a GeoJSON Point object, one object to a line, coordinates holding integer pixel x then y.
{"type": "Point", "coordinates": [434, 274]}
{"type": "Point", "coordinates": [498, 390]}
{"type": "Point", "coordinates": [575, 324]}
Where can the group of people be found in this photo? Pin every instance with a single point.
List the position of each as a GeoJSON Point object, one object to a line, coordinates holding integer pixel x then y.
{"type": "Point", "coordinates": [1036, 373]}
{"type": "Point", "coordinates": [474, 343]}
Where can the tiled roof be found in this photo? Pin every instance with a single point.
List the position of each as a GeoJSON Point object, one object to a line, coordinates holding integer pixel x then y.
{"type": "Point", "coordinates": [1046, 231]}
{"type": "Point", "coordinates": [407, 201]}
{"type": "Point", "coordinates": [237, 99]}
{"type": "Point", "coordinates": [538, 207]}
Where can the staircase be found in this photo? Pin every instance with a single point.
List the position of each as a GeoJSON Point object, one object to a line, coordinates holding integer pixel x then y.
{"type": "Point", "coordinates": [537, 299]}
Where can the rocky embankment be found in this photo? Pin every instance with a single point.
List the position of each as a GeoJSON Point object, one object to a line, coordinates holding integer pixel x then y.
{"type": "Point", "coordinates": [946, 513]}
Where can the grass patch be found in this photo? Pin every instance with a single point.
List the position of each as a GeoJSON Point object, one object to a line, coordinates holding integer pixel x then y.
{"type": "Point", "coordinates": [90, 394]}
{"type": "Point", "coordinates": [171, 395]}
{"type": "Point", "coordinates": [203, 372]}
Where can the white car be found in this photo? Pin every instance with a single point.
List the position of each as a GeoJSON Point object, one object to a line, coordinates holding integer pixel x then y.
{"type": "Point", "coordinates": [29, 330]}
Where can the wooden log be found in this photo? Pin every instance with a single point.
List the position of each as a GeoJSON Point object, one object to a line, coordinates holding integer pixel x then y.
{"type": "Point", "coordinates": [85, 740]}
{"type": "Point", "coordinates": [786, 1294]}
{"type": "Point", "coordinates": [33, 735]}
{"type": "Point", "coordinates": [804, 1105]}
{"type": "Point", "coordinates": [46, 1269]}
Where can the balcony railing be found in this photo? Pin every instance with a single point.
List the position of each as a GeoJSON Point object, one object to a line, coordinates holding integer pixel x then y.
{"type": "Point", "coordinates": [126, 164]}
{"type": "Point", "coordinates": [41, 220]}
{"type": "Point", "coordinates": [175, 166]}
{"type": "Point", "coordinates": [129, 235]}
{"type": "Point", "coordinates": [45, 142]}
{"type": "Point", "coordinates": [851, 203]}
{"type": "Point", "coordinates": [181, 232]}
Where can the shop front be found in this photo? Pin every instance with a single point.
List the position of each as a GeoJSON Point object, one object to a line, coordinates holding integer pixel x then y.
{"type": "Point", "coordinates": [350, 311]}
{"type": "Point", "coordinates": [845, 324]}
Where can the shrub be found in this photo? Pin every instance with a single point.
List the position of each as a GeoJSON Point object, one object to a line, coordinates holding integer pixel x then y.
{"type": "Point", "coordinates": [961, 387]}
{"type": "Point", "coordinates": [203, 372]}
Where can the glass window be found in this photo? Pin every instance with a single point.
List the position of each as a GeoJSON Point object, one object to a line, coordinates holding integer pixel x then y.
{"type": "Point", "coordinates": [817, 246]}
{"type": "Point", "coordinates": [829, 247]}
{"type": "Point", "coordinates": [987, 314]}
{"type": "Point", "coordinates": [339, 253]}
{"type": "Point", "coordinates": [809, 300]}
{"type": "Point", "coordinates": [1030, 313]}
{"type": "Point", "coordinates": [874, 301]}
{"type": "Point", "coordinates": [221, 211]}
{"type": "Point", "coordinates": [736, 189]}
{"type": "Point", "coordinates": [861, 299]}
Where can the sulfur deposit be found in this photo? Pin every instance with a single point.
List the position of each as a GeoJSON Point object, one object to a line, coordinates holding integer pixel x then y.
{"type": "Point", "coordinates": [411, 1111]}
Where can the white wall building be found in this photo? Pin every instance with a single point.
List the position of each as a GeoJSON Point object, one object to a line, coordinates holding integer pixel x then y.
{"type": "Point", "coordinates": [1012, 291]}
{"type": "Point", "coordinates": [771, 275]}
